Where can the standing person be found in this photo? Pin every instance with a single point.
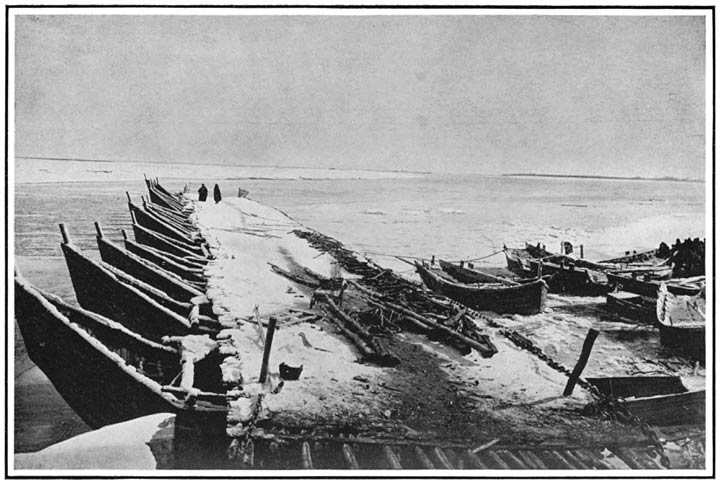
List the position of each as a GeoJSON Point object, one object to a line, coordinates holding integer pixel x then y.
{"type": "Point", "coordinates": [203, 193]}
{"type": "Point", "coordinates": [216, 193]}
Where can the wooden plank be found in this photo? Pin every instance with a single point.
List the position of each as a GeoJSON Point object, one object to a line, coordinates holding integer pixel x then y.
{"type": "Point", "coordinates": [627, 458]}
{"type": "Point", "coordinates": [577, 463]}
{"type": "Point", "coordinates": [442, 458]}
{"type": "Point", "coordinates": [349, 456]}
{"type": "Point", "coordinates": [306, 456]}
{"type": "Point", "coordinates": [510, 458]}
{"type": "Point", "coordinates": [497, 460]}
{"type": "Point", "coordinates": [268, 345]}
{"type": "Point", "coordinates": [474, 461]}
{"type": "Point", "coordinates": [532, 459]}
{"type": "Point", "coordinates": [563, 461]}
{"type": "Point", "coordinates": [423, 458]}
{"type": "Point", "coordinates": [392, 457]}
{"type": "Point", "coordinates": [589, 459]}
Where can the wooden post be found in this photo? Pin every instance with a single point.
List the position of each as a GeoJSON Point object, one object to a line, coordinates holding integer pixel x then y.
{"type": "Point", "coordinates": [268, 344]}
{"type": "Point", "coordinates": [582, 361]}
{"type": "Point", "coordinates": [99, 230]}
{"type": "Point", "coordinates": [128, 196]}
{"type": "Point", "coordinates": [306, 456]}
{"type": "Point", "coordinates": [582, 251]}
{"type": "Point", "coordinates": [63, 232]}
{"type": "Point", "coordinates": [256, 312]}
{"type": "Point", "coordinates": [124, 234]}
{"type": "Point", "coordinates": [432, 262]}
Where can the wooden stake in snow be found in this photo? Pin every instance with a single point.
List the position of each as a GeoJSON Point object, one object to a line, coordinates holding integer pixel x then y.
{"type": "Point", "coordinates": [582, 361]}
{"type": "Point", "coordinates": [268, 344]}
{"type": "Point", "coordinates": [63, 232]}
{"type": "Point", "coordinates": [256, 312]}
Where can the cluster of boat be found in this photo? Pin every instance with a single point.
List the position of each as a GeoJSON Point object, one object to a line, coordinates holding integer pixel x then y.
{"type": "Point", "coordinates": [110, 358]}
{"type": "Point", "coordinates": [639, 287]}
{"type": "Point", "coordinates": [144, 338]}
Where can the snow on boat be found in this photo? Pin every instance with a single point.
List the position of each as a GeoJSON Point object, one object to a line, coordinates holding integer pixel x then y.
{"type": "Point", "coordinates": [657, 400]}
{"type": "Point", "coordinates": [156, 224]}
{"type": "Point", "coordinates": [631, 306]}
{"type": "Point", "coordinates": [681, 320]}
{"type": "Point", "coordinates": [647, 286]}
{"type": "Point", "coordinates": [98, 289]}
{"type": "Point", "coordinates": [153, 239]}
{"type": "Point", "coordinates": [526, 298]}
{"type": "Point", "coordinates": [192, 275]}
{"type": "Point", "coordinates": [144, 270]}
{"type": "Point", "coordinates": [105, 372]}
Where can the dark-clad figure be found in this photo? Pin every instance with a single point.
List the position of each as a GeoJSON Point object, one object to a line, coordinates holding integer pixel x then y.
{"type": "Point", "coordinates": [202, 193]}
{"type": "Point", "coordinates": [216, 193]}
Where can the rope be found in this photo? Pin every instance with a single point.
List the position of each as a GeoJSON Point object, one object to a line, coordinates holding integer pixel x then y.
{"type": "Point", "coordinates": [426, 259]}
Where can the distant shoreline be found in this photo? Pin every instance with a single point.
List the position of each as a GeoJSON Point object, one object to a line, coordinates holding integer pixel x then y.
{"type": "Point", "coordinates": [599, 177]}
{"type": "Point", "coordinates": [100, 160]}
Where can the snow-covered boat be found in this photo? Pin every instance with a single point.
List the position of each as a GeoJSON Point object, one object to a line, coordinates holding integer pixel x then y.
{"type": "Point", "coordinates": [681, 320]}
{"type": "Point", "coordinates": [98, 289]}
{"type": "Point", "coordinates": [574, 275]}
{"type": "Point", "coordinates": [631, 306]}
{"type": "Point", "coordinates": [192, 253]}
{"type": "Point", "coordinates": [526, 298]}
{"type": "Point", "coordinates": [105, 372]}
{"type": "Point", "coordinates": [156, 224]}
{"type": "Point", "coordinates": [190, 273]}
{"type": "Point", "coordinates": [657, 400]}
{"type": "Point", "coordinates": [647, 286]}
{"type": "Point", "coordinates": [145, 270]}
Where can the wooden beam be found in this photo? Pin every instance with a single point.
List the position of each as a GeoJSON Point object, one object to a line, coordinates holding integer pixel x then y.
{"type": "Point", "coordinates": [268, 345]}
{"type": "Point", "coordinates": [582, 361]}
{"type": "Point", "coordinates": [306, 456]}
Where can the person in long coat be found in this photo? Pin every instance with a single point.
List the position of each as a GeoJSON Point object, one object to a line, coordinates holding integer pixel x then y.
{"type": "Point", "coordinates": [216, 193]}
{"type": "Point", "coordinates": [202, 193]}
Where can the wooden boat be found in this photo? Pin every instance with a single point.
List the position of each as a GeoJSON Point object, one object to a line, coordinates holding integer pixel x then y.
{"type": "Point", "coordinates": [471, 275]}
{"type": "Point", "coordinates": [638, 386]}
{"type": "Point", "coordinates": [158, 197]}
{"type": "Point", "coordinates": [151, 222]}
{"type": "Point", "coordinates": [198, 310]}
{"type": "Point", "coordinates": [159, 241]}
{"type": "Point", "coordinates": [97, 289]}
{"type": "Point", "coordinates": [145, 270]}
{"type": "Point", "coordinates": [520, 299]}
{"type": "Point", "coordinates": [184, 225]}
{"type": "Point", "coordinates": [657, 400]}
{"type": "Point", "coordinates": [674, 409]}
{"type": "Point", "coordinates": [192, 275]}
{"type": "Point", "coordinates": [574, 276]}
{"type": "Point", "coordinates": [567, 277]}
{"type": "Point", "coordinates": [105, 372]}
{"type": "Point", "coordinates": [681, 320]}
{"type": "Point", "coordinates": [632, 306]}
{"type": "Point", "coordinates": [650, 256]}
{"type": "Point", "coordinates": [646, 286]}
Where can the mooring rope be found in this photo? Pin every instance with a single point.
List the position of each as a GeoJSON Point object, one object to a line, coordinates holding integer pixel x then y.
{"type": "Point", "coordinates": [426, 259]}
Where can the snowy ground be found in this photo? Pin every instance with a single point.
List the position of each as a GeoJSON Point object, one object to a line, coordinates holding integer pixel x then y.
{"type": "Point", "coordinates": [514, 388]}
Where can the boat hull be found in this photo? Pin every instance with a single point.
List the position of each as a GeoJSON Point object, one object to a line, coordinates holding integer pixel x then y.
{"type": "Point", "coordinates": [520, 299]}
{"type": "Point", "coordinates": [100, 291]}
{"type": "Point", "coordinates": [140, 269]}
{"type": "Point", "coordinates": [631, 306]}
{"type": "Point", "coordinates": [676, 409]}
{"type": "Point", "coordinates": [647, 288]}
{"type": "Point", "coordinates": [94, 380]}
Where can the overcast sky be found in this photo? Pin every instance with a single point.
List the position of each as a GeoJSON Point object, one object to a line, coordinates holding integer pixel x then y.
{"type": "Point", "coordinates": [619, 96]}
